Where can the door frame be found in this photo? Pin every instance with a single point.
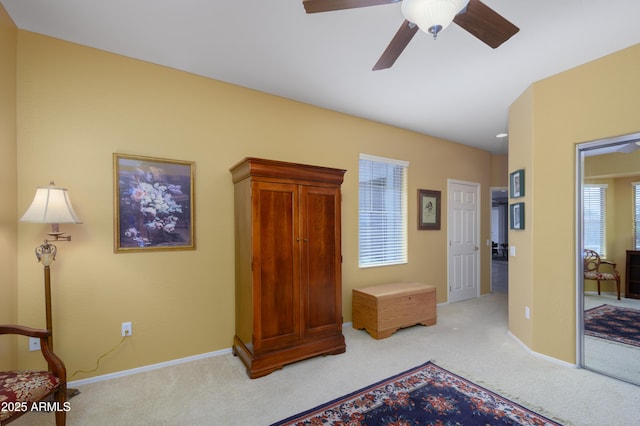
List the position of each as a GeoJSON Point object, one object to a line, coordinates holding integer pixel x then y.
{"type": "Point", "coordinates": [450, 228]}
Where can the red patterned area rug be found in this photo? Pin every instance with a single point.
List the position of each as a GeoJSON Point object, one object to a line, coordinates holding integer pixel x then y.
{"type": "Point", "coordinates": [424, 395]}
{"type": "Point", "coordinates": [614, 323]}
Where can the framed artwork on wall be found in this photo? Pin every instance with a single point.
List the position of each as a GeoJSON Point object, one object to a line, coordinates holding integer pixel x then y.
{"type": "Point", "coordinates": [153, 204]}
{"type": "Point", "coordinates": [516, 184]}
{"type": "Point", "coordinates": [516, 216]}
{"type": "Point", "coordinates": [428, 209]}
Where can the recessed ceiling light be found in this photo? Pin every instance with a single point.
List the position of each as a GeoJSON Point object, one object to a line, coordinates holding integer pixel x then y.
{"type": "Point", "coordinates": [502, 135]}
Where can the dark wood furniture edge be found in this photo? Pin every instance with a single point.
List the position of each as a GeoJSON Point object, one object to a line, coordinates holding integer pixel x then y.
{"type": "Point", "coordinates": [251, 166]}
{"type": "Point", "coordinates": [268, 362]}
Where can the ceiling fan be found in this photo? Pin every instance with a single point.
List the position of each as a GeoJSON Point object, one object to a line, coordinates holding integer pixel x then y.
{"type": "Point", "coordinates": [430, 16]}
{"type": "Point", "coordinates": [630, 146]}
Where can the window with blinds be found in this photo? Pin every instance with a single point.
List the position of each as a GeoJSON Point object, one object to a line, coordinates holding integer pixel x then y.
{"type": "Point", "coordinates": [595, 218]}
{"type": "Point", "coordinates": [636, 214]}
{"type": "Point", "coordinates": [382, 214]}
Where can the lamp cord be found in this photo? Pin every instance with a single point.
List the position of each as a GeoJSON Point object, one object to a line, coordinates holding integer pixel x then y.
{"type": "Point", "coordinates": [100, 358]}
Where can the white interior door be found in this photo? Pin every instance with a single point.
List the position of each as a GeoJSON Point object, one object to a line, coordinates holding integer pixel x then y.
{"type": "Point", "coordinates": [464, 240]}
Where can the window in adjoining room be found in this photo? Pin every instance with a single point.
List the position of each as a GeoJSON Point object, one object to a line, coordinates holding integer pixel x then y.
{"type": "Point", "coordinates": [595, 218]}
{"type": "Point", "coordinates": [382, 211]}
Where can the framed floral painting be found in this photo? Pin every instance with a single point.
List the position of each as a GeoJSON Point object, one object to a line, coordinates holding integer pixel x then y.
{"type": "Point", "coordinates": [153, 204]}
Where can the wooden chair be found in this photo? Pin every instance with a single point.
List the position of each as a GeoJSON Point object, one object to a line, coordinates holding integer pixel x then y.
{"type": "Point", "coordinates": [20, 389]}
{"type": "Point", "coordinates": [592, 263]}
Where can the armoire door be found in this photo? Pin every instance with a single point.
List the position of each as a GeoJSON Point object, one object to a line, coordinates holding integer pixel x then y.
{"type": "Point", "coordinates": [276, 263]}
{"type": "Point", "coordinates": [321, 259]}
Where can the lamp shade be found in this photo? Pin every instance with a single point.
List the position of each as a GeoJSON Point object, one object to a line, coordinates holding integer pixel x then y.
{"type": "Point", "coordinates": [51, 205]}
{"type": "Point", "coordinates": [432, 16]}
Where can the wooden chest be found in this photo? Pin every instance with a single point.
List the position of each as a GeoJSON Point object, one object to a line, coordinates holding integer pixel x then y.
{"type": "Point", "coordinates": [383, 309]}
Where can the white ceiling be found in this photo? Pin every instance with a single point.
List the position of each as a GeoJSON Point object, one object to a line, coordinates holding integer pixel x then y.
{"type": "Point", "coordinates": [455, 88]}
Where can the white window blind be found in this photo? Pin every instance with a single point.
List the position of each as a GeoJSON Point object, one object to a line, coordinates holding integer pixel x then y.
{"type": "Point", "coordinates": [595, 218]}
{"type": "Point", "coordinates": [382, 211]}
{"type": "Point", "coordinates": [636, 214]}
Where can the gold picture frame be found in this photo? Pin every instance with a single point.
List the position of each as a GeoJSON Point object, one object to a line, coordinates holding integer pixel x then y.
{"type": "Point", "coordinates": [153, 204]}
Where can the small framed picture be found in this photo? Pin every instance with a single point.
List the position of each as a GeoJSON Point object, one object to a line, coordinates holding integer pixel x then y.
{"type": "Point", "coordinates": [428, 209]}
{"type": "Point", "coordinates": [516, 184]}
{"type": "Point", "coordinates": [516, 216]}
{"type": "Point", "coordinates": [153, 204]}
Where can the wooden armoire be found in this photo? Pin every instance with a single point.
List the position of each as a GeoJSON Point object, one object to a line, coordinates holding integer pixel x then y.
{"type": "Point", "coordinates": [288, 263]}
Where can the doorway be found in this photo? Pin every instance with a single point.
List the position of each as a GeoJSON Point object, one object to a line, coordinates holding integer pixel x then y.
{"type": "Point", "coordinates": [499, 240]}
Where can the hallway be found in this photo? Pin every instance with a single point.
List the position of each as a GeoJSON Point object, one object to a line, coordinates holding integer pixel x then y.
{"type": "Point", "coordinates": [499, 276]}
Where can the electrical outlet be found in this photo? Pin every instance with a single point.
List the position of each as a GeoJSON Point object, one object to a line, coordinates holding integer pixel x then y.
{"type": "Point", "coordinates": [126, 329]}
{"type": "Point", "coordinates": [34, 344]}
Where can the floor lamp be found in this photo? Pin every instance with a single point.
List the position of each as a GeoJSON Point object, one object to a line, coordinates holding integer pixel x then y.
{"type": "Point", "coordinates": [50, 205]}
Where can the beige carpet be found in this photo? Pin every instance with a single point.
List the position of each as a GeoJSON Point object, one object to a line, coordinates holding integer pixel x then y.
{"type": "Point", "coordinates": [470, 339]}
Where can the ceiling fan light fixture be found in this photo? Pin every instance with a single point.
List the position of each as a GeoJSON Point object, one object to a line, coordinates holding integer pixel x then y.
{"type": "Point", "coordinates": [432, 16]}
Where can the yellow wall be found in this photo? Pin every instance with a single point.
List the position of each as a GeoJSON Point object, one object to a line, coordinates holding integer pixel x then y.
{"type": "Point", "coordinates": [521, 158]}
{"type": "Point", "coordinates": [8, 219]}
{"type": "Point", "coordinates": [78, 105]}
{"type": "Point", "coordinates": [594, 101]}
{"type": "Point", "coordinates": [612, 165]}
{"type": "Point", "coordinates": [500, 170]}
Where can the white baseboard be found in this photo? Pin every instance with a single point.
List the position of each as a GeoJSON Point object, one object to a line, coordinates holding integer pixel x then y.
{"type": "Point", "coordinates": [157, 366]}
{"type": "Point", "coordinates": [543, 356]}
{"type": "Point", "coordinates": [147, 368]}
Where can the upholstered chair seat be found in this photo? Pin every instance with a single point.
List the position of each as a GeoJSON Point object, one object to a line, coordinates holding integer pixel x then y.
{"type": "Point", "coordinates": [24, 387]}
{"type": "Point", "coordinates": [21, 389]}
{"type": "Point", "coordinates": [602, 276]}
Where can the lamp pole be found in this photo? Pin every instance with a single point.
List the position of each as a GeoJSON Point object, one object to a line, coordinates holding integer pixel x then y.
{"type": "Point", "coordinates": [46, 253]}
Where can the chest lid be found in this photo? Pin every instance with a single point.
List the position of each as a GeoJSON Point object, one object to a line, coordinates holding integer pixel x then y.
{"type": "Point", "coordinates": [396, 289]}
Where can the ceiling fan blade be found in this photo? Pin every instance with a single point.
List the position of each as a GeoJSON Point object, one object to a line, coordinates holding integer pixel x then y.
{"type": "Point", "coordinates": [485, 24]}
{"type": "Point", "coordinates": [315, 6]}
{"type": "Point", "coordinates": [629, 147]}
{"type": "Point", "coordinates": [398, 43]}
